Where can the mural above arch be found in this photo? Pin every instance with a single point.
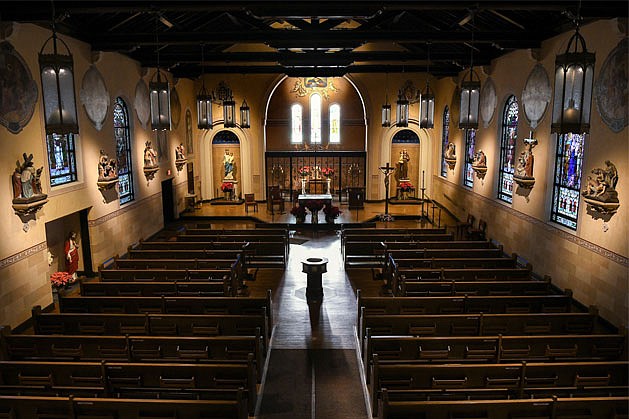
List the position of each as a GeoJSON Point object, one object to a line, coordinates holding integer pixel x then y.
{"type": "Point", "coordinates": [225, 137]}
{"type": "Point", "coordinates": [298, 90]}
{"type": "Point", "coordinates": [406, 136]}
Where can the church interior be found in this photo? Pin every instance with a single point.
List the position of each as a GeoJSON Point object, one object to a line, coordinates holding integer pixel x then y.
{"type": "Point", "coordinates": [256, 209]}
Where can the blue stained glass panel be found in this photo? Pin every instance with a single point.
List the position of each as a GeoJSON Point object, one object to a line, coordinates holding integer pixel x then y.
{"type": "Point", "coordinates": [61, 159]}
{"type": "Point", "coordinates": [122, 134]}
{"type": "Point", "coordinates": [445, 139]}
{"type": "Point", "coordinates": [507, 149]}
{"type": "Point", "coordinates": [470, 141]}
{"type": "Point", "coordinates": [567, 183]}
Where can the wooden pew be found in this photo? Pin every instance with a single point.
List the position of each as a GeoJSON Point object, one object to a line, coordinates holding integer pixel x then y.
{"type": "Point", "coordinates": [31, 407]}
{"type": "Point", "coordinates": [494, 349]}
{"type": "Point", "coordinates": [587, 407]}
{"type": "Point", "coordinates": [131, 380]}
{"type": "Point", "coordinates": [428, 253]}
{"type": "Point", "coordinates": [164, 274]}
{"type": "Point", "coordinates": [449, 263]}
{"type": "Point", "coordinates": [173, 263]}
{"type": "Point", "coordinates": [449, 244]}
{"type": "Point", "coordinates": [416, 382]}
{"type": "Point", "coordinates": [151, 324]}
{"type": "Point", "coordinates": [183, 254]}
{"type": "Point", "coordinates": [90, 288]}
{"type": "Point", "coordinates": [461, 288]}
{"type": "Point", "coordinates": [466, 304]}
{"type": "Point", "coordinates": [207, 349]}
{"type": "Point", "coordinates": [237, 232]}
{"type": "Point", "coordinates": [480, 325]}
{"type": "Point", "coordinates": [364, 255]}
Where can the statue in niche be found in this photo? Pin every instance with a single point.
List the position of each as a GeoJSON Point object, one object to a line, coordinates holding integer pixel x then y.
{"type": "Point", "coordinates": [600, 190]}
{"type": "Point", "coordinates": [228, 163]}
{"type": "Point", "coordinates": [180, 152]}
{"type": "Point", "coordinates": [402, 165]}
{"type": "Point", "coordinates": [523, 175]}
{"type": "Point", "coordinates": [450, 155]}
{"type": "Point", "coordinates": [479, 164]}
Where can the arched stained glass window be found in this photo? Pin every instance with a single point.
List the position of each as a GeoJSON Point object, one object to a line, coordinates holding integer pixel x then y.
{"type": "Point", "coordinates": [507, 149]}
{"type": "Point", "coordinates": [61, 159]}
{"type": "Point", "coordinates": [468, 173]}
{"type": "Point", "coordinates": [335, 124]}
{"type": "Point", "coordinates": [315, 118]}
{"type": "Point", "coordinates": [122, 134]}
{"type": "Point", "coordinates": [296, 132]}
{"type": "Point", "coordinates": [445, 139]}
{"type": "Point", "coordinates": [567, 183]}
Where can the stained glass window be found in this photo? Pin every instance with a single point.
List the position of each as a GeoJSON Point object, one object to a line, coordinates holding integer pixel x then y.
{"type": "Point", "coordinates": [568, 167]}
{"type": "Point", "coordinates": [445, 140]}
{"type": "Point", "coordinates": [468, 173]}
{"type": "Point", "coordinates": [296, 135]}
{"type": "Point", "coordinates": [335, 124]}
{"type": "Point", "coordinates": [122, 135]}
{"type": "Point", "coordinates": [315, 119]}
{"type": "Point", "coordinates": [507, 149]}
{"type": "Point", "coordinates": [61, 159]}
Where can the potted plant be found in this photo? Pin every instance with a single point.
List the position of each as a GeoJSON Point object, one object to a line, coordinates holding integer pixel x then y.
{"type": "Point", "coordinates": [227, 188]}
{"type": "Point", "coordinates": [300, 213]}
{"type": "Point", "coordinates": [304, 171]}
{"type": "Point", "coordinates": [405, 188]}
{"type": "Point", "coordinates": [331, 212]}
{"type": "Point", "coordinates": [61, 280]}
{"type": "Point", "coordinates": [328, 172]}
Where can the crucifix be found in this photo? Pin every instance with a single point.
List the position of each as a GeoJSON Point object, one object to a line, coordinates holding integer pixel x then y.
{"type": "Point", "coordinates": [386, 170]}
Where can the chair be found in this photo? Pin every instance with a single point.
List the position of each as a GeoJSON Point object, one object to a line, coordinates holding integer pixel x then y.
{"type": "Point", "coordinates": [250, 201]}
{"type": "Point", "coordinates": [275, 199]}
{"type": "Point", "coordinates": [478, 233]}
{"type": "Point", "coordinates": [464, 227]}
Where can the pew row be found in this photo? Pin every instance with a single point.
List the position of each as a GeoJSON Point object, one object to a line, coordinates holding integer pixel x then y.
{"type": "Point", "coordinates": [90, 288]}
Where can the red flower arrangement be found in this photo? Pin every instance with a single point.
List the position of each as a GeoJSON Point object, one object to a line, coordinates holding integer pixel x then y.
{"type": "Point", "coordinates": [406, 186]}
{"type": "Point", "coordinates": [298, 211]}
{"type": "Point", "coordinates": [332, 211]}
{"type": "Point", "coordinates": [227, 187]}
{"type": "Point", "coordinates": [304, 171]}
{"type": "Point", "coordinates": [314, 205]}
{"type": "Point", "coordinates": [327, 171]}
{"type": "Point", "coordinates": [61, 279]}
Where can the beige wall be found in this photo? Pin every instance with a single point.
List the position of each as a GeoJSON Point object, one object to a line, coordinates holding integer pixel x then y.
{"type": "Point", "coordinates": [592, 260]}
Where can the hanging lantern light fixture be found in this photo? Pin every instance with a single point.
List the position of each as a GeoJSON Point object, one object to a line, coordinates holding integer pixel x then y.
{"type": "Point", "coordinates": [159, 93]}
{"type": "Point", "coordinates": [245, 115]}
{"type": "Point", "coordinates": [57, 79]}
{"type": "Point", "coordinates": [427, 102]}
{"type": "Point", "coordinates": [229, 112]}
{"type": "Point", "coordinates": [401, 110]}
{"type": "Point", "coordinates": [204, 101]}
{"type": "Point", "coordinates": [470, 95]}
{"type": "Point", "coordinates": [386, 108]}
{"type": "Point", "coordinates": [574, 75]}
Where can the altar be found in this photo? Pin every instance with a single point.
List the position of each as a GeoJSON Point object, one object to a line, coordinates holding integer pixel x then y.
{"type": "Point", "coordinates": [326, 198]}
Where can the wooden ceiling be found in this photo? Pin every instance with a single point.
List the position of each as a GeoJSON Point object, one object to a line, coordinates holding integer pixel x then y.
{"type": "Point", "coordinates": [312, 38]}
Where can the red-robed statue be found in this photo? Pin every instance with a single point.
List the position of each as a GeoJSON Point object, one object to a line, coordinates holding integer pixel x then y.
{"type": "Point", "coordinates": [71, 251]}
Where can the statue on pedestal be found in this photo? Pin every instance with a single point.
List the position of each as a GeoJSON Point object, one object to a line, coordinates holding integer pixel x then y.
{"type": "Point", "coordinates": [228, 162]}
{"type": "Point", "coordinates": [402, 165]}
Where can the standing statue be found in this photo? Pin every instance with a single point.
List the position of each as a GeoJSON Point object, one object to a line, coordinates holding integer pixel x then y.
{"type": "Point", "coordinates": [228, 162]}
{"type": "Point", "coordinates": [402, 165]}
{"type": "Point", "coordinates": [71, 251]}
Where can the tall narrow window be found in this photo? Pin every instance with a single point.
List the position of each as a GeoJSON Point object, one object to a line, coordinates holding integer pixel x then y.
{"type": "Point", "coordinates": [507, 149]}
{"type": "Point", "coordinates": [445, 139]}
{"type": "Point", "coordinates": [568, 167]}
{"type": "Point", "coordinates": [61, 159]}
{"type": "Point", "coordinates": [296, 135]}
{"type": "Point", "coordinates": [470, 140]}
{"type": "Point", "coordinates": [122, 134]}
{"type": "Point", "coordinates": [315, 119]}
{"type": "Point", "coordinates": [335, 124]}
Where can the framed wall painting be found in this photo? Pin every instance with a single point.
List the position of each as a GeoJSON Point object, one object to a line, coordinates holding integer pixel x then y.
{"type": "Point", "coordinates": [18, 90]}
{"type": "Point", "coordinates": [94, 97]}
{"type": "Point", "coordinates": [610, 89]}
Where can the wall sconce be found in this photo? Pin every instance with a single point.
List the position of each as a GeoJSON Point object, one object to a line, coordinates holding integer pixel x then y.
{"type": "Point", "coordinates": [401, 110]}
{"type": "Point", "coordinates": [204, 102]}
{"type": "Point", "coordinates": [57, 79]}
{"type": "Point", "coordinates": [574, 76]}
{"type": "Point", "coordinates": [244, 115]}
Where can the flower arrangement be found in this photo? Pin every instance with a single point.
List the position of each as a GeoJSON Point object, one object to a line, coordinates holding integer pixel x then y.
{"type": "Point", "coordinates": [61, 279]}
{"type": "Point", "coordinates": [314, 205]}
{"type": "Point", "coordinates": [304, 171]}
{"type": "Point", "coordinates": [327, 172]}
{"type": "Point", "coordinates": [332, 212]}
{"type": "Point", "coordinates": [298, 212]}
{"type": "Point", "coordinates": [227, 187]}
{"type": "Point", "coordinates": [406, 186]}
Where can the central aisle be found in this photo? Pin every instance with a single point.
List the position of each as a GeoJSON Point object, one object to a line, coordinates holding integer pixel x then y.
{"type": "Point", "coordinates": [313, 370]}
